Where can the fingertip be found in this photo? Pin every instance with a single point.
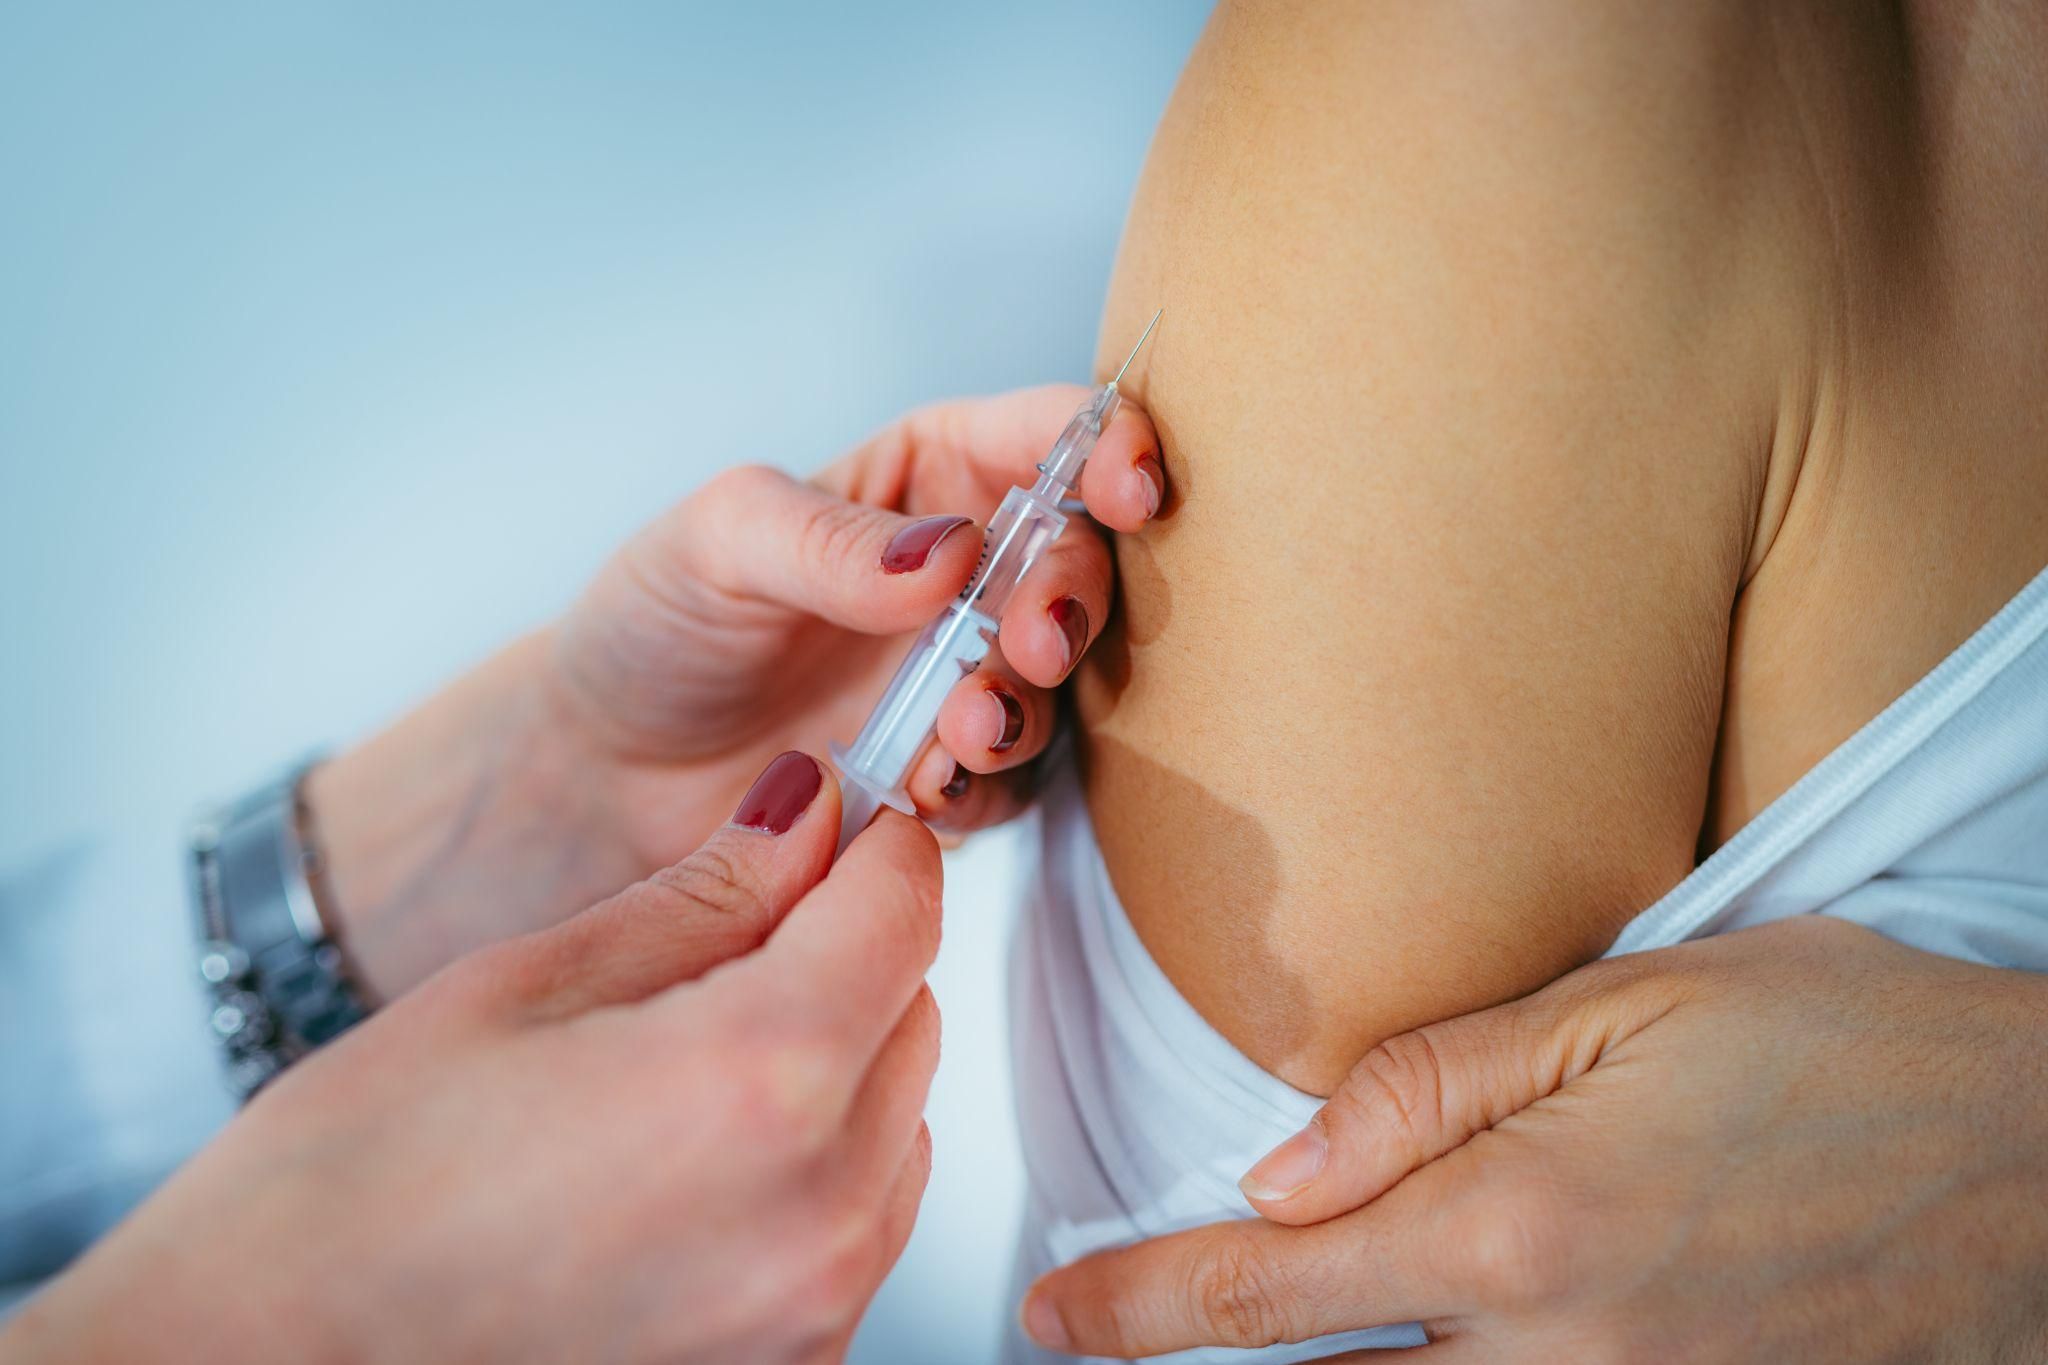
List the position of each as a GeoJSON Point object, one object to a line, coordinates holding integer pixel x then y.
{"type": "Point", "coordinates": [1124, 485]}
{"type": "Point", "coordinates": [893, 866]}
{"type": "Point", "coordinates": [917, 540]}
{"type": "Point", "coordinates": [957, 727]}
{"type": "Point", "coordinates": [717, 903]}
{"type": "Point", "coordinates": [826, 811]}
{"type": "Point", "coordinates": [1287, 1172]}
{"type": "Point", "coordinates": [764, 537]}
{"type": "Point", "coordinates": [788, 821]}
{"type": "Point", "coordinates": [1131, 429]}
{"type": "Point", "coordinates": [1042, 1320]}
{"type": "Point", "coordinates": [1151, 483]}
{"type": "Point", "coordinates": [1003, 714]}
{"type": "Point", "coordinates": [987, 726]}
{"type": "Point", "coordinates": [1292, 1213]}
{"type": "Point", "coordinates": [894, 845]}
{"type": "Point", "coordinates": [899, 850]}
{"type": "Point", "coordinates": [1038, 639]}
{"type": "Point", "coordinates": [938, 783]}
{"type": "Point", "coordinates": [907, 578]}
{"type": "Point", "coordinates": [786, 791]}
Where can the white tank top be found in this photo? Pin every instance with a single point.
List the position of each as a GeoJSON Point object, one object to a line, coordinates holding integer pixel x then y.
{"type": "Point", "coordinates": [1930, 825]}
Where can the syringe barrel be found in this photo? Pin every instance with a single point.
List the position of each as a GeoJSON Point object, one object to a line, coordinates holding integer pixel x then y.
{"type": "Point", "coordinates": [878, 761]}
{"type": "Point", "coordinates": [953, 645]}
{"type": "Point", "coordinates": [901, 724]}
{"type": "Point", "coordinates": [1028, 521]}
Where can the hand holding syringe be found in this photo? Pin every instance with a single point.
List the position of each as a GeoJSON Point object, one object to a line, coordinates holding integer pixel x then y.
{"type": "Point", "coordinates": [876, 766]}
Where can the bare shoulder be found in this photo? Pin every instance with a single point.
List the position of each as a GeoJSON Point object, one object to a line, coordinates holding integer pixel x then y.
{"type": "Point", "coordinates": [1470, 383]}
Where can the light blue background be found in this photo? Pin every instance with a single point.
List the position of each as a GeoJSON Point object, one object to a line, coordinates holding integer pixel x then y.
{"type": "Point", "coordinates": [339, 343]}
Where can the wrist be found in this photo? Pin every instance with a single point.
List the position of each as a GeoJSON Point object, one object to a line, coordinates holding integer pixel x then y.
{"type": "Point", "coordinates": [137, 1291]}
{"type": "Point", "coordinates": [479, 815]}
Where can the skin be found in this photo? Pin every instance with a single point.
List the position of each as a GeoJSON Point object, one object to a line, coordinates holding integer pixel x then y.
{"type": "Point", "coordinates": [1798, 1142]}
{"type": "Point", "coordinates": [641, 1135]}
{"type": "Point", "coordinates": [685, 1123]}
{"type": "Point", "coordinates": [1590, 343]}
{"type": "Point", "coordinates": [1582, 421]}
{"type": "Point", "coordinates": [754, 616]}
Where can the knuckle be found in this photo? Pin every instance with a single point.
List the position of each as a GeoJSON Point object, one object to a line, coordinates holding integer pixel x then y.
{"type": "Point", "coordinates": [923, 1157]}
{"type": "Point", "coordinates": [725, 496]}
{"type": "Point", "coordinates": [750, 1102]}
{"type": "Point", "coordinates": [712, 882]}
{"type": "Point", "coordinates": [737, 486]}
{"type": "Point", "coordinates": [1112, 1320]}
{"type": "Point", "coordinates": [1514, 1251]}
{"type": "Point", "coordinates": [844, 1266]}
{"type": "Point", "coordinates": [1232, 1293]}
{"type": "Point", "coordinates": [917, 1033]}
{"type": "Point", "coordinates": [929, 925]}
{"type": "Point", "coordinates": [783, 1095]}
{"type": "Point", "coordinates": [834, 532]}
{"type": "Point", "coordinates": [1401, 1079]}
{"type": "Point", "coordinates": [730, 498]}
{"type": "Point", "coordinates": [930, 1023]}
{"type": "Point", "coordinates": [890, 455]}
{"type": "Point", "coordinates": [520, 974]}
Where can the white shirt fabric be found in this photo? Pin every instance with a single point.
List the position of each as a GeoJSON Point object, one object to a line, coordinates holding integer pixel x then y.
{"type": "Point", "coordinates": [1929, 825]}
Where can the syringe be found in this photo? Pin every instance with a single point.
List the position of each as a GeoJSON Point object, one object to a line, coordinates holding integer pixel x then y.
{"type": "Point", "coordinates": [874, 768]}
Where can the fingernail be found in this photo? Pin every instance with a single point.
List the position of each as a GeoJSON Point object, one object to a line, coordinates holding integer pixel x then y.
{"type": "Point", "coordinates": [1072, 618]}
{"type": "Point", "coordinates": [1287, 1170]}
{"type": "Point", "coordinates": [910, 547]}
{"type": "Point", "coordinates": [956, 785]}
{"type": "Point", "coordinates": [1042, 1323]}
{"type": "Point", "coordinates": [1013, 720]}
{"type": "Point", "coordinates": [783, 791]}
{"type": "Point", "coordinates": [1155, 485]}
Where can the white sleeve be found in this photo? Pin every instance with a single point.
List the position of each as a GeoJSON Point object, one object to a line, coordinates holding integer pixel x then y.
{"type": "Point", "coordinates": [108, 1074]}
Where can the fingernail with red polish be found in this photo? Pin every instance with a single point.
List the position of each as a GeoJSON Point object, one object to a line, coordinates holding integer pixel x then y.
{"type": "Point", "coordinates": [1288, 1169]}
{"type": "Point", "coordinates": [783, 791]}
{"type": "Point", "coordinates": [1013, 720]}
{"type": "Point", "coordinates": [1072, 618]}
{"type": "Point", "coordinates": [956, 785]}
{"type": "Point", "coordinates": [1042, 1323]}
{"type": "Point", "coordinates": [1155, 484]}
{"type": "Point", "coordinates": [910, 547]}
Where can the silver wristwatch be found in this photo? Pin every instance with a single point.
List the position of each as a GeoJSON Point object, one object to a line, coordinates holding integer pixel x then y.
{"type": "Point", "coordinates": [276, 977]}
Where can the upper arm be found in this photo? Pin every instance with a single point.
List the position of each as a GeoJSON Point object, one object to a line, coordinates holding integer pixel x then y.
{"type": "Point", "coordinates": [1461, 386]}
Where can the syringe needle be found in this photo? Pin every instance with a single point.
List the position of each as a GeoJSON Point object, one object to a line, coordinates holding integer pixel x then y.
{"type": "Point", "coordinates": [1137, 348]}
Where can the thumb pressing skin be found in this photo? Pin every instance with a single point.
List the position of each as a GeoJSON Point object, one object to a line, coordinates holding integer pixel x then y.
{"type": "Point", "coordinates": [757, 533]}
{"type": "Point", "coordinates": [1420, 1094]}
{"type": "Point", "coordinates": [719, 903]}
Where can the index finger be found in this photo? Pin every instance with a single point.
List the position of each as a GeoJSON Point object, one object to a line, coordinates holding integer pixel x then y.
{"type": "Point", "coordinates": [998, 442]}
{"type": "Point", "coordinates": [843, 965]}
{"type": "Point", "coordinates": [1249, 1284]}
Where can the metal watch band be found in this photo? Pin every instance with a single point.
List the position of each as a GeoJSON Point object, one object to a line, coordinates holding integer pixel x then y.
{"type": "Point", "coordinates": [277, 979]}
